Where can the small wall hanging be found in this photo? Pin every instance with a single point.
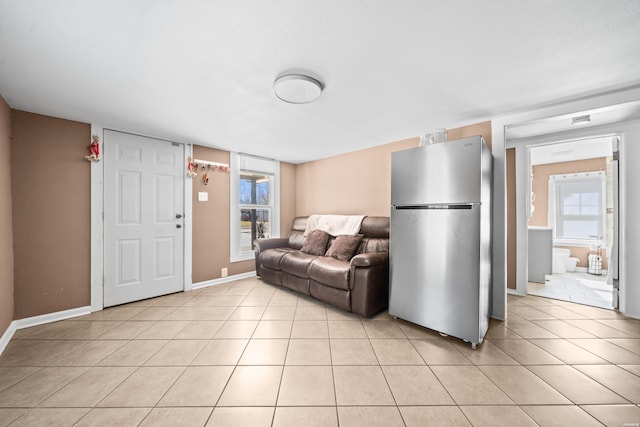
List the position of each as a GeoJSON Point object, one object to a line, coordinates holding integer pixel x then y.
{"type": "Point", "coordinates": [94, 149]}
{"type": "Point", "coordinates": [205, 165]}
{"type": "Point", "coordinates": [191, 169]}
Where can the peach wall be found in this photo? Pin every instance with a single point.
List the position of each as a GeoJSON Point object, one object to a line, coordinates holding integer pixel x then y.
{"type": "Point", "coordinates": [359, 182]}
{"type": "Point", "coordinates": [540, 187]}
{"type": "Point", "coordinates": [50, 181]}
{"type": "Point", "coordinates": [211, 234]}
{"type": "Point", "coordinates": [352, 183]}
{"type": "Point", "coordinates": [483, 129]}
{"type": "Point", "coordinates": [511, 219]}
{"type": "Point", "coordinates": [6, 225]}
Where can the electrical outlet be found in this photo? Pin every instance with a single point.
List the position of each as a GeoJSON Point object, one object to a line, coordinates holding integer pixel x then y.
{"type": "Point", "coordinates": [224, 272]}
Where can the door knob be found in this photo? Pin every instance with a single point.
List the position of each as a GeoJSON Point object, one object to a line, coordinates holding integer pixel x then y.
{"type": "Point", "coordinates": [178, 216]}
{"type": "Point", "coordinates": [178, 226]}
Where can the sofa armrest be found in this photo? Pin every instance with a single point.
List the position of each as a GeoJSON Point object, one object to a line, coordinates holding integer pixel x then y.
{"type": "Point", "coordinates": [369, 283]}
{"type": "Point", "coordinates": [370, 259]}
{"type": "Point", "coordinates": [274, 242]}
{"type": "Point", "coordinates": [264, 244]}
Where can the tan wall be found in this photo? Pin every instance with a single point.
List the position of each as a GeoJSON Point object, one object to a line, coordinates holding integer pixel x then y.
{"type": "Point", "coordinates": [6, 239]}
{"type": "Point", "coordinates": [211, 234]}
{"type": "Point", "coordinates": [50, 181]}
{"type": "Point", "coordinates": [211, 222]}
{"type": "Point", "coordinates": [511, 219]}
{"type": "Point", "coordinates": [540, 187]}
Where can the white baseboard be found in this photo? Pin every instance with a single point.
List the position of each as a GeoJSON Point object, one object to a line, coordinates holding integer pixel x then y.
{"type": "Point", "coordinates": [39, 320]}
{"type": "Point", "coordinates": [514, 292]}
{"type": "Point", "coordinates": [221, 280]}
{"type": "Point", "coordinates": [52, 317]}
{"type": "Point", "coordinates": [6, 337]}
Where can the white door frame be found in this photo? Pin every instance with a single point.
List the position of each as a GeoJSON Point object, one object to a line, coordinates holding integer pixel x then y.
{"type": "Point", "coordinates": [97, 223]}
{"type": "Point", "coordinates": [499, 144]}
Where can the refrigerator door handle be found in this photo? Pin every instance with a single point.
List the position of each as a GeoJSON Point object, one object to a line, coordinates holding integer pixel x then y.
{"type": "Point", "coordinates": [444, 206]}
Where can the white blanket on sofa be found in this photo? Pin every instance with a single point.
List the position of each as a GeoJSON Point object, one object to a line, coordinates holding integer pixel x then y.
{"type": "Point", "coordinates": [335, 225]}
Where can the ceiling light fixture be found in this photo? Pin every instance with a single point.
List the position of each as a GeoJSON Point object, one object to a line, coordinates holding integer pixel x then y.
{"type": "Point", "coordinates": [581, 120]}
{"type": "Point", "coordinates": [297, 88]}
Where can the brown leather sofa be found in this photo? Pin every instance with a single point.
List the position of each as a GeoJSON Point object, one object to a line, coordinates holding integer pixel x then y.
{"type": "Point", "coordinates": [359, 285]}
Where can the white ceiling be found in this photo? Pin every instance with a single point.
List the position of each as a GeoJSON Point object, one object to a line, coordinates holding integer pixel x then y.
{"type": "Point", "coordinates": [202, 71]}
{"type": "Point", "coordinates": [627, 111]}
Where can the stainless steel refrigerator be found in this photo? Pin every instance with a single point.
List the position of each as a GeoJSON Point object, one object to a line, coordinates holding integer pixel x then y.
{"type": "Point", "coordinates": [440, 237]}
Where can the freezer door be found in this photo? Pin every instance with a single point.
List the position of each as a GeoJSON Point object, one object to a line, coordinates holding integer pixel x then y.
{"type": "Point", "coordinates": [435, 270]}
{"type": "Point", "coordinates": [450, 172]}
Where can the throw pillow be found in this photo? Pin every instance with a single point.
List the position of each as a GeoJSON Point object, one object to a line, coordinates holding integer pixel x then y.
{"type": "Point", "coordinates": [315, 243]}
{"type": "Point", "coordinates": [343, 247]}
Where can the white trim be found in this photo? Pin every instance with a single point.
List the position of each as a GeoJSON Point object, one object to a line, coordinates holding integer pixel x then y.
{"type": "Point", "coordinates": [52, 317]}
{"type": "Point", "coordinates": [97, 225]}
{"type": "Point", "coordinates": [6, 337]}
{"type": "Point", "coordinates": [499, 226]}
{"type": "Point", "coordinates": [275, 228]}
{"type": "Point", "coordinates": [27, 322]}
{"type": "Point", "coordinates": [523, 191]}
{"type": "Point", "coordinates": [259, 165]}
{"type": "Point", "coordinates": [245, 256]}
{"type": "Point", "coordinates": [234, 198]}
{"type": "Point", "coordinates": [515, 292]}
{"type": "Point", "coordinates": [187, 267]}
{"type": "Point", "coordinates": [222, 280]}
{"type": "Point", "coordinates": [622, 226]}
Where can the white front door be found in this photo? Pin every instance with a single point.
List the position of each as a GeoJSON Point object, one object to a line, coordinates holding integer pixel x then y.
{"type": "Point", "coordinates": [143, 217]}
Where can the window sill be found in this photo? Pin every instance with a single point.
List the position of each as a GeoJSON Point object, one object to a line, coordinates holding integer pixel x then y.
{"type": "Point", "coordinates": [575, 243]}
{"type": "Point", "coordinates": [247, 256]}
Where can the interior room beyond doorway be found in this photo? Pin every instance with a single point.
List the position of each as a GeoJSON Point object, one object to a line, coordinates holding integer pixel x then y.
{"type": "Point", "coordinates": [571, 220]}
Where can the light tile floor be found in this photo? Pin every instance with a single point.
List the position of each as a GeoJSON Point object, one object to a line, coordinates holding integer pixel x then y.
{"type": "Point", "coordinates": [251, 354]}
{"type": "Point", "coordinates": [578, 287]}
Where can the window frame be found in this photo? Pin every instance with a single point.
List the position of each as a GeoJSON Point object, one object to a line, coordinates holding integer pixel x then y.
{"type": "Point", "coordinates": [255, 165]}
{"type": "Point", "coordinates": [554, 212]}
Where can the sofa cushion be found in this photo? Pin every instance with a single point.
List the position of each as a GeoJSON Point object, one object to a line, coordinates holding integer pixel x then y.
{"type": "Point", "coordinates": [271, 258]}
{"type": "Point", "coordinates": [331, 272]}
{"type": "Point", "coordinates": [297, 263]}
{"type": "Point", "coordinates": [315, 243]}
{"type": "Point", "coordinates": [343, 247]}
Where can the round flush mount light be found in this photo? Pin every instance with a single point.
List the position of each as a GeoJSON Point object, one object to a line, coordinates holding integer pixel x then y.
{"type": "Point", "coordinates": [297, 88]}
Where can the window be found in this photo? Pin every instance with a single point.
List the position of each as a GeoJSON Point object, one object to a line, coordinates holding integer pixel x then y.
{"type": "Point", "coordinates": [254, 203]}
{"type": "Point", "coordinates": [577, 207]}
